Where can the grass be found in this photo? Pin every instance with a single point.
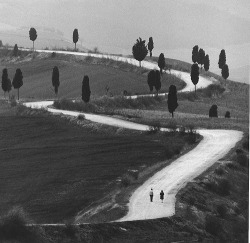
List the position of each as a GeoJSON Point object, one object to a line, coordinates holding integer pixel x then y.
{"type": "Point", "coordinates": [46, 163]}
{"type": "Point", "coordinates": [118, 76]}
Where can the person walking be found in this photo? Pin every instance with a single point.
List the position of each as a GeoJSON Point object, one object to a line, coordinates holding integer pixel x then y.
{"type": "Point", "coordinates": [162, 196]}
{"type": "Point", "coordinates": [151, 194]}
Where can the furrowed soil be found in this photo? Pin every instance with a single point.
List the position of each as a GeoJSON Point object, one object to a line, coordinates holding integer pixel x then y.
{"type": "Point", "coordinates": [53, 169]}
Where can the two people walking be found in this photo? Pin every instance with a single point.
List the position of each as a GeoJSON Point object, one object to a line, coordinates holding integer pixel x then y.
{"type": "Point", "coordinates": [151, 195]}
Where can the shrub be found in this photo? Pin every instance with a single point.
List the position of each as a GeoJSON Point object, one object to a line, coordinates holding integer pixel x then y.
{"type": "Point", "coordinates": [191, 128]}
{"type": "Point", "coordinates": [182, 130]}
{"type": "Point", "coordinates": [81, 117]}
{"type": "Point", "coordinates": [213, 89]}
{"type": "Point", "coordinates": [245, 144]}
{"type": "Point", "coordinates": [13, 225]}
{"type": "Point", "coordinates": [20, 109]}
{"type": "Point", "coordinates": [223, 187]}
{"type": "Point", "coordinates": [172, 125]}
{"type": "Point", "coordinates": [227, 115]}
{"type": "Point", "coordinates": [127, 180]}
{"type": "Point", "coordinates": [212, 225]}
{"type": "Point", "coordinates": [242, 159]}
{"type": "Point", "coordinates": [70, 230]}
{"type": "Point", "coordinates": [219, 171]}
{"type": "Point", "coordinates": [13, 101]}
{"type": "Point", "coordinates": [222, 210]}
{"type": "Point", "coordinates": [213, 111]}
{"type": "Point", "coordinates": [134, 174]}
{"type": "Point", "coordinates": [53, 54]}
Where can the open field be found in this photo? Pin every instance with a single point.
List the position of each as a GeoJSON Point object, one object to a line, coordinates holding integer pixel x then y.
{"type": "Point", "coordinates": [118, 76]}
{"type": "Point", "coordinates": [53, 169]}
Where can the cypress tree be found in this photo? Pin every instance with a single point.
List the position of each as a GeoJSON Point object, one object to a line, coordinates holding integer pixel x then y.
{"type": "Point", "coordinates": [206, 63]}
{"type": "Point", "coordinates": [195, 54]}
{"type": "Point", "coordinates": [150, 45]}
{"type": "Point", "coordinates": [222, 59]}
{"type": "Point", "coordinates": [172, 99]}
{"type": "Point", "coordinates": [151, 80]}
{"type": "Point", "coordinates": [157, 81]}
{"type": "Point", "coordinates": [55, 79]}
{"type": "Point", "coordinates": [195, 74]}
{"type": "Point", "coordinates": [15, 50]}
{"type": "Point", "coordinates": [225, 71]}
{"type": "Point", "coordinates": [33, 35]}
{"type": "Point", "coordinates": [18, 81]}
{"type": "Point", "coordinates": [85, 89]}
{"type": "Point", "coordinates": [5, 80]}
{"type": "Point", "coordinates": [201, 56]}
{"type": "Point", "coordinates": [139, 50]}
{"type": "Point", "coordinates": [161, 62]}
{"type": "Point", "coordinates": [75, 37]}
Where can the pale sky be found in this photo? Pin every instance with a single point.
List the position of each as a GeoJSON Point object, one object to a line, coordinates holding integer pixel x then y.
{"type": "Point", "coordinates": [114, 25]}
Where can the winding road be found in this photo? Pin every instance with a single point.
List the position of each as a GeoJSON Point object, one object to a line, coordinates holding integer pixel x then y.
{"type": "Point", "coordinates": [214, 146]}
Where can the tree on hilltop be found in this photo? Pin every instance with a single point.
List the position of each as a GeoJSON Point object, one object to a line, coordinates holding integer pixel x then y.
{"type": "Point", "coordinates": [225, 71]}
{"type": "Point", "coordinates": [18, 81]}
{"type": "Point", "coordinates": [222, 59]}
{"type": "Point", "coordinates": [161, 62]}
{"type": "Point", "coordinates": [139, 50]}
{"type": "Point", "coordinates": [85, 89]}
{"type": "Point", "coordinates": [206, 63]}
{"type": "Point", "coordinates": [33, 35]}
{"type": "Point", "coordinates": [195, 74]}
{"type": "Point", "coordinates": [55, 79]}
{"type": "Point", "coordinates": [201, 56]}
{"type": "Point", "coordinates": [172, 99]}
{"type": "Point", "coordinates": [15, 50]}
{"type": "Point", "coordinates": [150, 45]}
{"type": "Point", "coordinates": [195, 53]}
{"type": "Point", "coordinates": [75, 37]}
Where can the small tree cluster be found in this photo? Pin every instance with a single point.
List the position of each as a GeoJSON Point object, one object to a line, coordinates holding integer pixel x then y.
{"type": "Point", "coordinates": [213, 112]}
{"type": "Point", "coordinates": [139, 50]}
{"type": "Point", "coordinates": [150, 45]}
{"type": "Point", "coordinates": [199, 56]}
{"type": "Point", "coordinates": [154, 80]}
{"type": "Point", "coordinates": [222, 64]}
{"type": "Point", "coordinates": [172, 99]}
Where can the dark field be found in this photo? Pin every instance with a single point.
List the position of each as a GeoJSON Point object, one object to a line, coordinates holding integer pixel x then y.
{"type": "Point", "coordinates": [53, 169]}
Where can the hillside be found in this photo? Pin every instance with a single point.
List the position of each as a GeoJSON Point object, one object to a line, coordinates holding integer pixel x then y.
{"type": "Point", "coordinates": [194, 214]}
{"type": "Point", "coordinates": [117, 76]}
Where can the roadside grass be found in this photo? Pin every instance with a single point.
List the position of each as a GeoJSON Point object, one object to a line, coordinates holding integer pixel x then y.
{"type": "Point", "coordinates": [220, 205]}
{"type": "Point", "coordinates": [54, 170]}
{"type": "Point", "coordinates": [13, 228]}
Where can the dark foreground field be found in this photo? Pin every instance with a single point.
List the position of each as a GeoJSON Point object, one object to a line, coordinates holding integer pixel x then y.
{"type": "Point", "coordinates": [54, 169]}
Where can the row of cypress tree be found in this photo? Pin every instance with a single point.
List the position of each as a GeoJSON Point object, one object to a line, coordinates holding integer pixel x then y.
{"type": "Point", "coordinates": [17, 82]}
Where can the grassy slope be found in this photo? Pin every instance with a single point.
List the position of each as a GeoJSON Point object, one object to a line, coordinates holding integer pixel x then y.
{"type": "Point", "coordinates": [37, 74]}
{"type": "Point", "coordinates": [54, 170]}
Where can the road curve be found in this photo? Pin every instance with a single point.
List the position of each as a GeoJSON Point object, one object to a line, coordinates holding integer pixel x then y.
{"type": "Point", "coordinates": [215, 145]}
